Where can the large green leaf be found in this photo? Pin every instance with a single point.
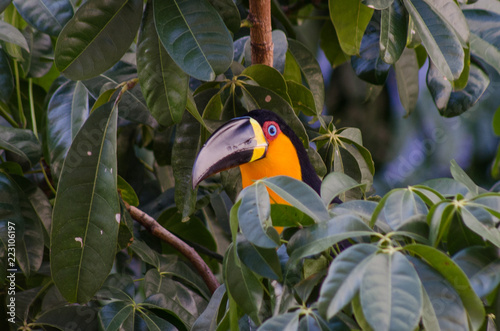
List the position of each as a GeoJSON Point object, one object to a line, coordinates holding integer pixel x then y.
{"type": "Point", "coordinates": [406, 69]}
{"type": "Point", "coordinates": [48, 16]}
{"type": "Point", "coordinates": [369, 65]}
{"type": "Point", "coordinates": [350, 18]}
{"type": "Point", "coordinates": [18, 218]}
{"type": "Point", "coordinates": [393, 30]}
{"type": "Point", "coordinates": [229, 13]}
{"type": "Point", "coordinates": [453, 103]}
{"type": "Point", "coordinates": [390, 293]}
{"type": "Point", "coordinates": [184, 154]}
{"type": "Point", "coordinates": [10, 34]}
{"type": "Point", "coordinates": [311, 72]}
{"type": "Point", "coordinates": [456, 277]}
{"type": "Point", "coordinates": [330, 45]}
{"type": "Point", "coordinates": [208, 319]}
{"type": "Point", "coordinates": [269, 78]}
{"type": "Point", "coordinates": [344, 278]}
{"type": "Point", "coordinates": [39, 60]}
{"type": "Point", "coordinates": [6, 77]}
{"type": "Point", "coordinates": [479, 224]}
{"type": "Point", "coordinates": [242, 285]}
{"type": "Point", "coordinates": [253, 217]}
{"type": "Point", "coordinates": [481, 266]}
{"type": "Point", "coordinates": [195, 36]}
{"type": "Point", "coordinates": [163, 83]}
{"type": "Point", "coordinates": [67, 111]}
{"type": "Point", "coordinates": [21, 142]}
{"type": "Point", "coordinates": [96, 37]}
{"type": "Point", "coordinates": [453, 15]}
{"type": "Point", "coordinates": [401, 206]}
{"type": "Point", "coordinates": [443, 309]}
{"type": "Point", "coordinates": [262, 261]}
{"type": "Point", "coordinates": [86, 210]}
{"type": "Point", "coordinates": [438, 37]}
{"type": "Point", "coordinates": [335, 184]}
{"type": "Point", "coordinates": [61, 317]}
{"type": "Point", "coordinates": [321, 236]}
{"type": "Point", "coordinates": [299, 195]}
{"type": "Point", "coordinates": [485, 35]}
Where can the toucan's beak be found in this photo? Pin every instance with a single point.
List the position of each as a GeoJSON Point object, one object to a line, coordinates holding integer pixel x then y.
{"type": "Point", "coordinates": [236, 142]}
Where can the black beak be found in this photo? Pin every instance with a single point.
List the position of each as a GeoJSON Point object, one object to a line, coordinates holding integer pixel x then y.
{"type": "Point", "coordinates": [239, 141]}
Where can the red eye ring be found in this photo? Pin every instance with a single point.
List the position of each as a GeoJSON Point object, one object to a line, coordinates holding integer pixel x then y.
{"type": "Point", "coordinates": [271, 130]}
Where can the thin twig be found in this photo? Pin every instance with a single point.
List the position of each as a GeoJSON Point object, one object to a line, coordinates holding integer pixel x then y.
{"type": "Point", "coordinates": [159, 231]}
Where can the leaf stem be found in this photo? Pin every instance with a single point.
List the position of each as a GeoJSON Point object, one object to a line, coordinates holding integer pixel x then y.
{"type": "Point", "coordinates": [22, 118]}
{"type": "Point", "coordinates": [7, 117]}
{"type": "Point", "coordinates": [47, 180]}
{"type": "Point", "coordinates": [32, 107]}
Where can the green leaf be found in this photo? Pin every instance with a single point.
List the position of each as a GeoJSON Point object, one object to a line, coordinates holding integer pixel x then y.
{"type": "Point", "coordinates": [447, 187]}
{"type": "Point", "coordinates": [145, 253]}
{"type": "Point", "coordinates": [460, 236]}
{"type": "Point", "coordinates": [262, 261]}
{"type": "Point", "coordinates": [163, 84]}
{"type": "Point", "coordinates": [390, 293]}
{"type": "Point", "coordinates": [61, 317]}
{"type": "Point", "coordinates": [393, 31]}
{"type": "Point", "coordinates": [442, 307]}
{"type": "Point", "coordinates": [344, 278]}
{"type": "Point", "coordinates": [209, 318]}
{"type": "Point", "coordinates": [253, 216]}
{"type": "Point", "coordinates": [401, 206]}
{"type": "Point", "coordinates": [406, 69]}
{"type": "Point", "coordinates": [302, 98]}
{"type": "Point", "coordinates": [10, 34]}
{"type": "Point", "coordinates": [335, 184]}
{"type": "Point", "coordinates": [21, 142]}
{"type": "Point", "coordinates": [329, 43]}
{"type": "Point", "coordinates": [96, 37]}
{"type": "Point", "coordinates": [460, 176]}
{"type": "Point", "coordinates": [484, 26]}
{"type": "Point", "coordinates": [287, 215]}
{"type": "Point", "coordinates": [269, 78]}
{"type": "Point", "coordinates": [453, 103]}
{"type": "Point", "coordinates": [195, 36]}
{"type": "Point", "coordinates": [116, 315]}
{"type": "Point", "coordinates": [477, 224]}
{"type": "Point", "coordinates": [369, 66]}
{"type": "Point", "coordinates": [242, 285]}
{"type": "Point", "coordinates": [350, 19]}
{"type": "Point", "coordinates": [481, 266]}
{"type": "Point", "coordinates": [229, 13]}
{"type": "Point", "coordinates": [456, 277]}
{"type": "Point", "coordinates": [86, 210]}
{"type": "Point", "coordinates": [6, 77]}
{"type": "Point", "coordinates": [311, 72]}
{"type": "Point", "coordinates": [44, 15]}
{"type": "Point", "coordinates": [18, 218]}
{"type": "Point", "coordinates": [286, 321]}
{"type": "Point", "coordinates": [440, 217]}
{"type": "Point", "coordinates": [127, 192]}
{"type": "Point", "coordinates": [321, 236]}
{"type": "Point", "coordinates": [184, 154]}
{"type": "Point", "coordinates": [38, 62]}
{"type": "Point", "coordinates": [438, 38]}
{"type": "Point", "coordinates": [299, 195]}
{"type": "Point", "coordinates": [67, 111]}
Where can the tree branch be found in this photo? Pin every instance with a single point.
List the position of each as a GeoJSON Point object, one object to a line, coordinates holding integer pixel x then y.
{"type": "Point", "coordinates": [261, 37]}
{"type": "Point", "coordinates": [159, 231]}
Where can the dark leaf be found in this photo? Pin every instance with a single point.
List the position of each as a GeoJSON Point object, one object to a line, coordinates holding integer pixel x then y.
{"type": "Point", "coordinates": [393, 31]}
{"type": "Point", "coordinates": [47, 16]}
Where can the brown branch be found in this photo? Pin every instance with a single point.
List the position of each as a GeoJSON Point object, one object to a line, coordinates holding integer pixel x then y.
{"type": "Point", "coordinates": [159, 231]}
{"type": "Point", "coordinates": [261, 34]}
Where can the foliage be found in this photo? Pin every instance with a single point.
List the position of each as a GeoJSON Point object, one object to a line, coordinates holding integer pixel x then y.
{"type": "Point", "coordinates": [79, 137]}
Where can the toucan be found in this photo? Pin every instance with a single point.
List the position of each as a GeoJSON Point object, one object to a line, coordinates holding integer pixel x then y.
{"type": "Point", "coordinates": [262, 145]}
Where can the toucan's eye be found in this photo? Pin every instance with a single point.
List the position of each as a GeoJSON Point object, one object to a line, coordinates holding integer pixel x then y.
{"type": "Point", "coordinates": [271, 130]}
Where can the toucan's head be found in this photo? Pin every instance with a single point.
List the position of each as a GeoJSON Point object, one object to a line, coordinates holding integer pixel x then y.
{"type": "Point", "coordinates": [261, 144]}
